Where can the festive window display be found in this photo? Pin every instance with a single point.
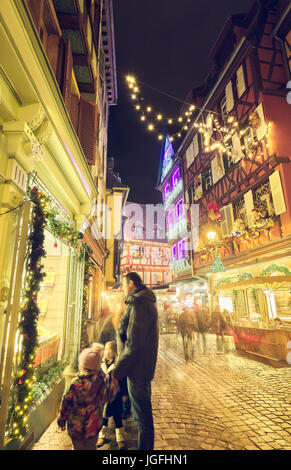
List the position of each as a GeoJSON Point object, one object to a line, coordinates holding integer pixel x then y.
{"type": "Point", "coordinates": [37, 343]}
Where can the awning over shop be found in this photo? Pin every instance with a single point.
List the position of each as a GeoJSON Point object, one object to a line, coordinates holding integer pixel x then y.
{"type": "Point", "coordinates": [264, 282]}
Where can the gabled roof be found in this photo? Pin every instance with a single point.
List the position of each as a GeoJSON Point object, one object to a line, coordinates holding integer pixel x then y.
{"type": "Point", "coordinates": [167, 155]}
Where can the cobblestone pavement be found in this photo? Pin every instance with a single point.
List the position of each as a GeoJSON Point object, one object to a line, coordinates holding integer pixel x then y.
{"type": "Point", "coordinates": [212, 402]}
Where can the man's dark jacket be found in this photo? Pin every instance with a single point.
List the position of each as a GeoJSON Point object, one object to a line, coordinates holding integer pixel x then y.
{"type": "Point", "coordinates": [138, 336]}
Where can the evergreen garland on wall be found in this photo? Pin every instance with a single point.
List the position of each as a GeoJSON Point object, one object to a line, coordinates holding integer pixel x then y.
{"type": "Point", "coordinates": [29, 316]}
{"type": "Point", "coordinates": [43, 216]}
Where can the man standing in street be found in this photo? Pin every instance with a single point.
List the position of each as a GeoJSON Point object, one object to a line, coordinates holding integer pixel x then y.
{"type": "Point", "coordinates": [137, 338]}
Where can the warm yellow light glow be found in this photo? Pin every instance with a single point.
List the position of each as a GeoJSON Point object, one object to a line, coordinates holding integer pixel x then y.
{"type": "Point", "coordinates": [142, 118]}
{"type": "Point", "coordinates": [149, 109]}
{"type": "Point", "coordinates": [160, 137]}
{"type": "Point", "coordinates": [170, 121]}
{"type": "Point", "coordinates": [150, 127]}
{"type": "Point", "coordinates": [230, 119]}
{"type": "Point", "coordinates": [211, 235]}
{"type": "Point", "coordinates": [133, 97]}
{"type": "Point", "coordinates": [180, 119]}
{"type": "Point", "coordinates": [137, 106]}
{"type": "Point", "coordinates": [159, 117]}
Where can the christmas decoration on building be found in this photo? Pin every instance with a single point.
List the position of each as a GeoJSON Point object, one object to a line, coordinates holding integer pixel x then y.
{"type": "Point", "coordinates": [44, 216]}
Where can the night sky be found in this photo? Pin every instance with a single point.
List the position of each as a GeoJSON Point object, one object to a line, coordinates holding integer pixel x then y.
{"type": "Point", "coordinates": [165, 44]}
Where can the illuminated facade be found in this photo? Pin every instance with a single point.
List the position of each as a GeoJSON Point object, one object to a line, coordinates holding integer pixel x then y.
{"type": "Point", "coordinates": [236, 164]}
{"type": "Point", "coordinates": [57, 81]}
{"type": "Point", "coordinates": [145, 249]}
{"type": "Point", "coordinates": [170, 183]}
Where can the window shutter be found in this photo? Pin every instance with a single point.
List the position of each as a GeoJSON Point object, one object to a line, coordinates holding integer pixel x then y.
{"type": "Point", "coordinates": [189, 155]}
{"type": "Point", "coordinates": [237, 152]}
{"type": "Point", "coordinates": [229, 97]}
{"type": "Point", "coordinates": [249, 205]}
{"type": "Point", "coordinates": [88, 117]}
{"type": "Point", "coordinates": [64, 70]}
{"type": "Point", "coordinates": [227, 220]}
{"type": "Point", "coordinates": [195, 146]}
{"type": "Point", "coordinates": [277, 193]}
{"type": "Point", "coordinates": [217, 168]}
{"type": "Point", "coordinates": [261, 130]}
{"type": "Point", "coordinates": [240, 80]}
{"type": "Point", "coordinates": [74, 111]}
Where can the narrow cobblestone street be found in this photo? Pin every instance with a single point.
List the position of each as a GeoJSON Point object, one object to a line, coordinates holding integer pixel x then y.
{"type": "Point", "coordinates": [213, 402]}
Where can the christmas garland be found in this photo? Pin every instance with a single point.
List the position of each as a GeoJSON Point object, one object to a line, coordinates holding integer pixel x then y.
{"type": "Point", "coordinates": [29, 316]}
{"type": "Point", "coordinates": [275, 268]}
{"type": "Point", "coordinates": [44, 215]}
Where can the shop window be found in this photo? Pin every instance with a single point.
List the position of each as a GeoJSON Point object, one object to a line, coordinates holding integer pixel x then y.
{"type": "Point", "coordinates": [52, 300]}
{"type": "Point", "coordinates": [226, 303]}
{"type": "Point", "coordinates": [282, 299]}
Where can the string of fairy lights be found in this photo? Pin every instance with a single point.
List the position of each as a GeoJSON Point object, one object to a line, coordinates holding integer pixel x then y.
{"type": "Point", "coordinates": [215, 135]}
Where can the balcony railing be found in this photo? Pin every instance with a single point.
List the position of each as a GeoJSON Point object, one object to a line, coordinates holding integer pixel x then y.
{"type": "Point", "coordinates": [178, 230]}
{"type": "Point", "coordinates": [180, 265]}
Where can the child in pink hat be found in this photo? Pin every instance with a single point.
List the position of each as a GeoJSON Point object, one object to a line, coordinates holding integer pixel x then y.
{"type": "Point", "coordinates": [83, 402]}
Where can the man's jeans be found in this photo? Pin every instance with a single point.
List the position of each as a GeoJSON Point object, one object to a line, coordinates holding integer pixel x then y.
{"type": "Point", "coordinates": [140, 397]}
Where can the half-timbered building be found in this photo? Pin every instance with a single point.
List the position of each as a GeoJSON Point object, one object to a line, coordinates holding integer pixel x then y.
{"type": "Point", "coordinates": [237, 167]}
{"type": "Point", "coordinates": [145, 248]}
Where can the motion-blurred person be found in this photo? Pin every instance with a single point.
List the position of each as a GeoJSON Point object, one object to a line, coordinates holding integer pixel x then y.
{"type": "Point", "coordinates": [202, 325]}
{"type": "Point", "coordinates": [218, 325]}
